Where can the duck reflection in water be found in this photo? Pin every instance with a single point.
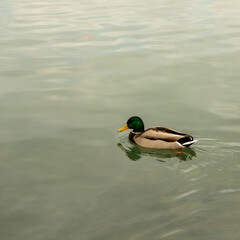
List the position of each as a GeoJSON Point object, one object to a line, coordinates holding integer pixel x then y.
{"type": "Point", "coordinates": [135, 152]}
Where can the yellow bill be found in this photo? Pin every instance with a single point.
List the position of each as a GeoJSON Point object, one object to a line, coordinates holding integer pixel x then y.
{"type": "Point", "coordinates": [123, 128]}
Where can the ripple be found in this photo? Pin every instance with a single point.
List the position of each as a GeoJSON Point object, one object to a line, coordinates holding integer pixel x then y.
{"type": "Point", "coordinates": [229, 190]}
{"type": "Point", "coordinates": [186, 194]}
{"type": "Point", "coordinates": [171, 233]}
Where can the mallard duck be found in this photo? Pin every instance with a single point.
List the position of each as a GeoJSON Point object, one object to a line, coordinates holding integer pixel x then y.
{"type": "Point", "coordinates": [156, 137]}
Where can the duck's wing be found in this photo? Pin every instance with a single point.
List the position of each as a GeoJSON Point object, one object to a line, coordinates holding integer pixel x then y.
{"type": "Point", "coordinates": [163, 133]}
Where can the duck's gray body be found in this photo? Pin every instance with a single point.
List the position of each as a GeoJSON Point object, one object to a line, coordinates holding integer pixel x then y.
{"type": "Point", "coordinates": [161, 138]}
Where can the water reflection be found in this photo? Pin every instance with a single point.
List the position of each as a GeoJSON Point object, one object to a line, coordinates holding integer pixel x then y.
{"type": "Point", "coordinates": [135, 152]}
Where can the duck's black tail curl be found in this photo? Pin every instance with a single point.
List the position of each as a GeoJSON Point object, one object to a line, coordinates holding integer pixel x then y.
{"type": "Point", "coordinates": [187, 141]}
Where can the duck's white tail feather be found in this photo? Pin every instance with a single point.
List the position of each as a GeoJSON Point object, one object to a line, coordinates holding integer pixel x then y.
{"type": "Point", "coordinates": [189, 143]}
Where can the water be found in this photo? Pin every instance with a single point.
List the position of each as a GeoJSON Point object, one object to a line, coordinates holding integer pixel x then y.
{"type": "Point", "coordinates": [72, 73]}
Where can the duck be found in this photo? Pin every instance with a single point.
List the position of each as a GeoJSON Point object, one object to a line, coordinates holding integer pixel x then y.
{"type": "Point", "coordinates": [156, 137]}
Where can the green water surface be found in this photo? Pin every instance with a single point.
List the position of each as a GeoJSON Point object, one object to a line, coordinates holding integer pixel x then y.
{"type": "Point", "coordinates": [72, 73]}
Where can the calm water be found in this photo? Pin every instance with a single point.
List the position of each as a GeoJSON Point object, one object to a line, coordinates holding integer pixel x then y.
{"type": "Point", "coordinates": [64, 171]}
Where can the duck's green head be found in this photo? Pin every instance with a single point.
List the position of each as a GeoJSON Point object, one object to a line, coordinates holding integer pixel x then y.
{"type": "Point", "coordinates": [134, 123]}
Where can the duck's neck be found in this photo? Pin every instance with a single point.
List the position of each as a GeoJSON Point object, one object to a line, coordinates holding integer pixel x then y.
{"type": "Point", "coordinates": [136, 132]}
{"type": "Point", "coordinates": [130, 136]}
